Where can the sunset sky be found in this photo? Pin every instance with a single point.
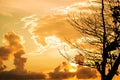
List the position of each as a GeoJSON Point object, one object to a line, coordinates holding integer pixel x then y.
{"type": "Point", "coordinates": [39, 29]}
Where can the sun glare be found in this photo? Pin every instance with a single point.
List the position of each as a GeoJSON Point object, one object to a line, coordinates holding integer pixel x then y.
{"type": "Point", "coordinates": [73, 64]}
{"type": "Point", "coordinates": [73, 67]}
{"type": "Point", "coordinates": [72, 70]}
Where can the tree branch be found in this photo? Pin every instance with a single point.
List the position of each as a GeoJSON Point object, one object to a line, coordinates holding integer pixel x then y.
{"type": "Point", "coordinates": [114, 68]}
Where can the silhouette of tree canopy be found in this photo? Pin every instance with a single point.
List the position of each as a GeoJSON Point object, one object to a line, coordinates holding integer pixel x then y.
{"type": "Point", "coordinates": [101, 29]}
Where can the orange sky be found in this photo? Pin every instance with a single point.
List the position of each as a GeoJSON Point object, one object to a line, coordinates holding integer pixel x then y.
{"type": "Point", "coordinates": [43, 27]}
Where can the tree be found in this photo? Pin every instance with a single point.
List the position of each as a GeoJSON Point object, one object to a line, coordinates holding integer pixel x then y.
{"type": "Point", "coordinates": [102, 32]}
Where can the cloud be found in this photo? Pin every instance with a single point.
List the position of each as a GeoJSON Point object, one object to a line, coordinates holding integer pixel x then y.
{"type": "Point", "coordinates": [63, 71]}
{"type": "Point", "coordinates": [30, 21]}
{"type": "Point", "coordinates": [86, 73]}
{"type": "Point", "coordinates": [43, 42]}
{"type": "Point", "coordinates": [30, 24]}
{"type": "Point", "coordinates": [54, 26]}
{"type": "Point", "coordinates": [4, 53]}
{"type": "Point", "coordinates": [64, 67]}
{"type": "Point", "coordinates": [12, 40]}
{"type": "Point", "coordinates": [12, 45]}
{"type": "Point", "coordinates": [77, 7]}
{"type": "Point", "coordinates": [61, 75]}
{"type": "Point", "coordinates": [51, 31]}
{"type": "Point", "coordinates": [55, 23]}
{"type": "Point", "coordinates": [11, 75]}
{"type": "Point", "coordinates": [46, 30]}
{"type": "Point", "coordinates": [79, 59]}
{"type": "Point", "coordinates": [19, 61]}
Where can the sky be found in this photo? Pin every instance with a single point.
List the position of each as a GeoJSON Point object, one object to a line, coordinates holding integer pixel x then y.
{"type": "Point", "coordinates": [33, 33]}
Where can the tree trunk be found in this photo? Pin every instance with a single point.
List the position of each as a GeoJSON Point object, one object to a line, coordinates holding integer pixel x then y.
{"type": "Point", "coordinates": [114, 69]}
{"type": "Point", "coordinates": [104, 55]}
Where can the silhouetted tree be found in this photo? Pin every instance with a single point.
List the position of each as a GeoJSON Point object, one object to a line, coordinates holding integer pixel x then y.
{"type": "Point", "coordinates": [101, 30]}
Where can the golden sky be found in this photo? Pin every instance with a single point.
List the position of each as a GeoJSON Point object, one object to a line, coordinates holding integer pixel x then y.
{"type": "Point", "coordinates": [35, 30]}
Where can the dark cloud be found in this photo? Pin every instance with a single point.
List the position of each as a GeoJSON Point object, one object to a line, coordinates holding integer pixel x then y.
{"type": "Point", "coordinates": [13, 41]}
{"type": "Point", "coordinates": [2, 67]}
{"type": "Point", "coordinates": [19, 61]}
{"type": "Point", "coordinates": [4, 52]}
{"type": "Point", "coordinates": [61, 75]}
{"type": "Point", "coordinates": [12, 75]}
{"type": "Point", "coordinates": [64, 67]}
{"type": "Point", "coordinates": [63, 72]}
{"type": "Point", "coordinates": [79, 59]}
{"type": "Point", "coordinates": [86, 73]}
{"type": "Point", "coordinates": [12, 46]}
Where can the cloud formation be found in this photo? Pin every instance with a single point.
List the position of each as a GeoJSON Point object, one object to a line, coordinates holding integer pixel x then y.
{"type": "Point", "coordinates": [51, 27]}
{"type": "Point", "coordinates": [79, 59]}
{"type": "Point", "coordinates": [13, 41]}
{"type": "Point", "coordinates": [62, 71]}
{"type": "Point", "coordinates": [56, 25]}
{"type": "Point", "coordinates": [12, 46]}
{"type": "Point", "coordinates": [86, 73]}
{"type": "Point", "coordinates": [19, 61]}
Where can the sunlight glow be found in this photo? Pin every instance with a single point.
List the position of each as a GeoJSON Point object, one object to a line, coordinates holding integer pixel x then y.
{"type": "Point", "coordinates": [73, 67]}
{"type": "Point", "coordinates": [73, 78]}
{"type": "Point", "coordinates": [72, 70]}
{"type": "Point", "coordinates": [73, 64]}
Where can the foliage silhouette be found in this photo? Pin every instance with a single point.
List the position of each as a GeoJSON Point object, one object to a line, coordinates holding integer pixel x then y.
{"type": "Point", "coordinates": [102, 27]}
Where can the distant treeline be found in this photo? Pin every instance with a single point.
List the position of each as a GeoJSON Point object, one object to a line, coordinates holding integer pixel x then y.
{"type": "Point", "coordinates": [24, 76]}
